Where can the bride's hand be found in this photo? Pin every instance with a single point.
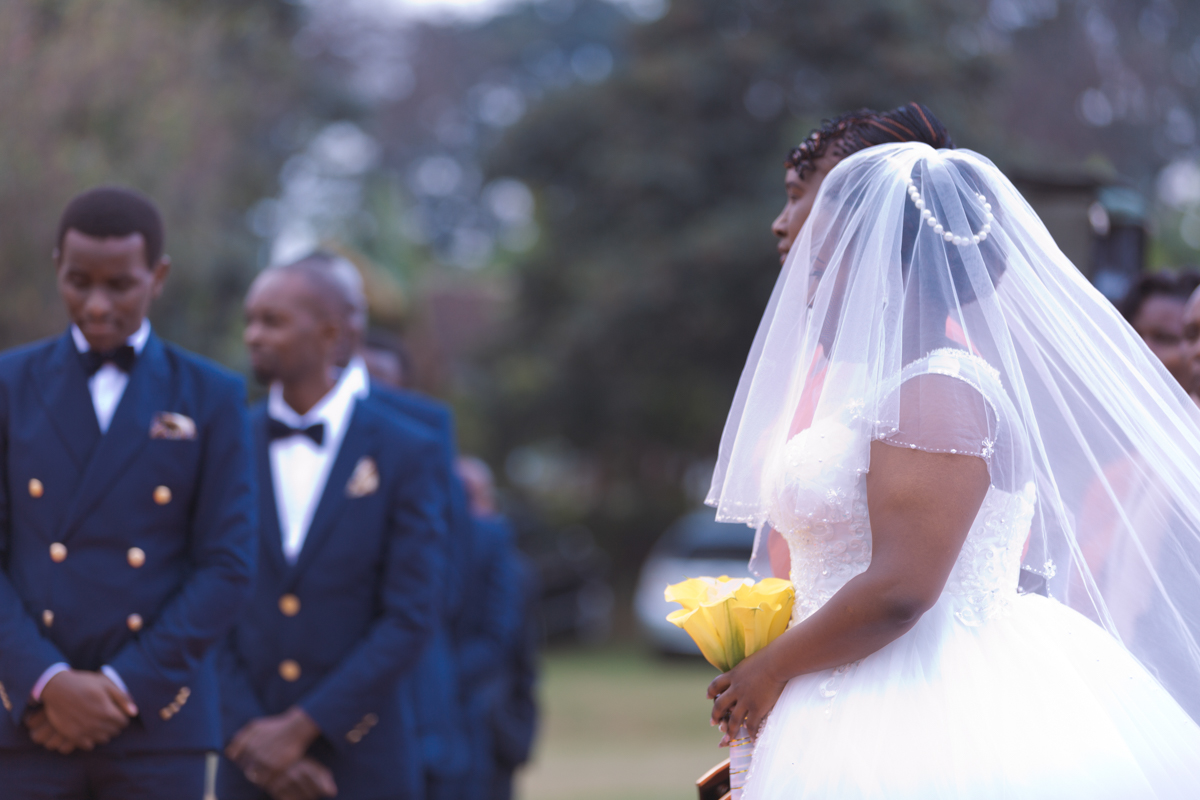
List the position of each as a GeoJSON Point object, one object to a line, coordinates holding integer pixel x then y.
{"type": "Point", "coordinates": [745, 695]}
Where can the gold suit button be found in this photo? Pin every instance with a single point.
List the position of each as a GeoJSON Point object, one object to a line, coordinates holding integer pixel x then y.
{"type": "Point", "coordinates": [134, 621]}
{"type": "Point", "coordinates": [136, 556]}
{"type": "Point", "coordinates": [35, 488]}
{"type": "Point", "coordinates": [47, 618]}
{"type": "Point", "coordinates": [58, 552]}
{"type": "Point", "coordinates": [354, 737]}
{"type": "Point", "coordinates": [162, 495]}
{"type": "Point", "coordinates": [289, 670]}
{"type": "Point", "coordinates": [289, 604]}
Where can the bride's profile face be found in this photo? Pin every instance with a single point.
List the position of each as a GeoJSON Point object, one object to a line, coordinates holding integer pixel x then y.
{"type": "Point", "coordinates": [801, 192]}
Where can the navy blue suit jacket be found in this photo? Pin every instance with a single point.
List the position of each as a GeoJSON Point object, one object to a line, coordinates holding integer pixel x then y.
{"type": "Point", "coordinates": [186, 504]}
{"type": "Point", "coordinates": [514, 715]}
{"type": "Point", "coordinates": [491, 621]}
{"type": "Point", "coordinates": [436, 683]}
{"type": "Point", "coordinates": [362, 609]}
{"type": "Point", "coordinates": [493, 604]}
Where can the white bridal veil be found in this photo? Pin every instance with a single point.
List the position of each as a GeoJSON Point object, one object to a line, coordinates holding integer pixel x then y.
{"type": "Point", "coordinates": [912, 251]}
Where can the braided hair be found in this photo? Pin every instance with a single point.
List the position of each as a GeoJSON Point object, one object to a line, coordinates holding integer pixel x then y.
{"type": "Point", "coordinates": [864, 128]}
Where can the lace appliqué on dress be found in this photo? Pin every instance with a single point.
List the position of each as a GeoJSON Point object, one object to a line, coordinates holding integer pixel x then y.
{"type": "Point", "coordinates": [819, 506]}
{"type": "Point", "coordinates": [831, 685]}
{"type": "Point", "coordinates": [829, 553]}
{"type": "Point", "coordinates": [984, 579]}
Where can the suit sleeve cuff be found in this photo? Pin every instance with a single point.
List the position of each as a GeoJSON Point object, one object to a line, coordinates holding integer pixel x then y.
{"type": "Point", "coordinates": [51, 671]}
{"type": "Point", "coordinates": [115, 677]}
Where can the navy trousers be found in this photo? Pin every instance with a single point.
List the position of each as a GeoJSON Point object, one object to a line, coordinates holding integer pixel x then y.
{"type": "Point", "coordinates": [43, 775]}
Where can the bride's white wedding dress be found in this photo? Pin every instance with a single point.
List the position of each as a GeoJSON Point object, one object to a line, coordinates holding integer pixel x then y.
{"type": "Point", "coordinates": [992, 694]}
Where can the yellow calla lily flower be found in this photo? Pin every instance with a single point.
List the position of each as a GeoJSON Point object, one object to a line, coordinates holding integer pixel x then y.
{"type": "Point", "coordinates": [687, 593]}
{"type": "Point", "coordinates": [697, 626]}
{"type": "Point", "coordinates": [731, 618]}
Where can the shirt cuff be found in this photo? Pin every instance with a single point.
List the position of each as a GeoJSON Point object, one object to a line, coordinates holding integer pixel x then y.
{"type": "Point", "coordinates": [50, 672]}
{"type": "Point", "coordinates": [113, 676]}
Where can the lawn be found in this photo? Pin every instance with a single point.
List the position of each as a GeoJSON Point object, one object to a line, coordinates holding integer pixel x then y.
{"type": "Point", "coordinates": [620, 722]}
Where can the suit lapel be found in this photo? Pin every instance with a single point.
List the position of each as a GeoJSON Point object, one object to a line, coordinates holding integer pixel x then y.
{"type": "Point", "coordinates": [148, 390]}
{"type": "Point", "coordinates": [271, 532]}
{"type": "Point", "coordinates": [62, 384]}
{"type": "Point", "coordinates": [355, 444]}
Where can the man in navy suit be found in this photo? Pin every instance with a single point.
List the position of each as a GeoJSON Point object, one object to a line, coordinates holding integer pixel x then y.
{"type": "Point", "coordinates": [497, 648]}
{"type": "Point", "coordinates": [352, 514]}
{"type": "Point", "coordinates": [127, 529]}
{"type": "Point", "coordinates": [436, 685]}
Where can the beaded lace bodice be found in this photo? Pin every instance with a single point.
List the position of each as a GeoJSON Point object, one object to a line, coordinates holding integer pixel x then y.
{"type": "Point", "coordinates": [819, 506]}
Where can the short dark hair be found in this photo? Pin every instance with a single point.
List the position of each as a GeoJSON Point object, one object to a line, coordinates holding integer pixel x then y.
{"type": "Point", "coordinates": [1179, 285]}
{"type": "Point", "coordinates": [865, 128]}
{"type": "Point", "coordinates": [113, 211]}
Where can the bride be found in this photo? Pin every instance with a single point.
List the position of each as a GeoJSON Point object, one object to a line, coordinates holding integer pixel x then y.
{"type": "Point", "coordinates": [987, 490]}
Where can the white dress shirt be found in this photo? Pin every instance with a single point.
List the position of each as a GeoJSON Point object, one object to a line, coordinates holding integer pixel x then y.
{"type": "Point", "coordinates": [108, 384]}
{"type": "Point", "coordinates": [299, 466]}
{"type": "Point", "coordinates": [107, 387]}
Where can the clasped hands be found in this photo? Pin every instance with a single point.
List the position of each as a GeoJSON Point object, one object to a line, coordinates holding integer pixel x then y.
{"type": "Point", "coordinates": [271, 754]}
{"type": "Point", "coordinates": [79, 710]}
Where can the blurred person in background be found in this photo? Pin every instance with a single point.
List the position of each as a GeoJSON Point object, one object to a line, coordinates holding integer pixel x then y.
{"type": "Point", "coordinates": [316, 676]}
{"type": "Point", "coordinates": [1191, 343]}
{"type": "Point", "coordinates": [497, 643]}
{"type": "Point", "coordinates": [387, 359]}
{"type": "Point", "coordinates": [127, 529]}
{"type": "Point", "coordinates": [1154, 307]}
{"type": "Point", "coordinates": [441, 720]}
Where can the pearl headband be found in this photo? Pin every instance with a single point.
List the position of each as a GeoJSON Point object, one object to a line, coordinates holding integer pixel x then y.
{"type": "Point", "coordinates": [940, 230]}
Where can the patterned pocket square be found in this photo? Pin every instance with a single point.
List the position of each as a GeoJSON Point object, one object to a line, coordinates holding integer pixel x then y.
{"type": "Point", "coordinates": [169, 425]}
{"type": "Point", "coordinates": [365, 478]}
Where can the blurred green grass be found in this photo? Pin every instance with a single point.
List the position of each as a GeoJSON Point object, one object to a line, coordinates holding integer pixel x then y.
{"type": "Point", "coordinates": [623, 722]}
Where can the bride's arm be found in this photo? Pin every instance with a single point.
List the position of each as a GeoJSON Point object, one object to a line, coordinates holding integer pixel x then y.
{"type": "Point", "coordinates": [921, 507]}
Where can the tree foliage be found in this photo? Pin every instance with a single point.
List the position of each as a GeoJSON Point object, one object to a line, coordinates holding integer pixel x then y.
{"type": "Point", "coordinates": [657, 191]}
{"type": "Point", "coordinates": [177, 99]}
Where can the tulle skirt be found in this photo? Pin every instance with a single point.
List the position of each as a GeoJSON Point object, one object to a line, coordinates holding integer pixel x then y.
{"type": "Point", "coordinates": [1039, 703]}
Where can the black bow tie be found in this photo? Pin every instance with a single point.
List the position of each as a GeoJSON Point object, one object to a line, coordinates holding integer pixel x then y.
{"type": "Point", "coordinates": [120, 357]}
{"type": "Point", "coordinates": [277, 429]}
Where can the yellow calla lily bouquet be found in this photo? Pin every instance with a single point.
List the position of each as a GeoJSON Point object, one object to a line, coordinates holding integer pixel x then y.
{"type": "Point", "coordinates": [731, 618]}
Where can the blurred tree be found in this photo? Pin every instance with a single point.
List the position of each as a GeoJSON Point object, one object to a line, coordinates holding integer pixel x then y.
{"type": "Point", "coordinates": [657, 190]}
{"type": "Point", "coordinates": [185, 101]}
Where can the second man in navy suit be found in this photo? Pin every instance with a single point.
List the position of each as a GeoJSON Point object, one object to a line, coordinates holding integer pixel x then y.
{"type": "Point", "coordinates": [435, 683]}
{"type": "Point", "coordinates": [353, 513]}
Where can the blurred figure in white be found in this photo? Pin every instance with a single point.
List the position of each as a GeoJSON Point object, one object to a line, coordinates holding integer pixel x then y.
{"type": "Point", "coordinates": [933, 398]}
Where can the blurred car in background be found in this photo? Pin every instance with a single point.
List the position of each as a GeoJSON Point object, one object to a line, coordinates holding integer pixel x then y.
{"type": "Point", "coordinates": [693, 546]}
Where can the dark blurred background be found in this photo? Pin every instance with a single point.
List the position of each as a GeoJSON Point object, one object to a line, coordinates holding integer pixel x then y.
{"type": "Point", "coordinates": [563, 206]}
